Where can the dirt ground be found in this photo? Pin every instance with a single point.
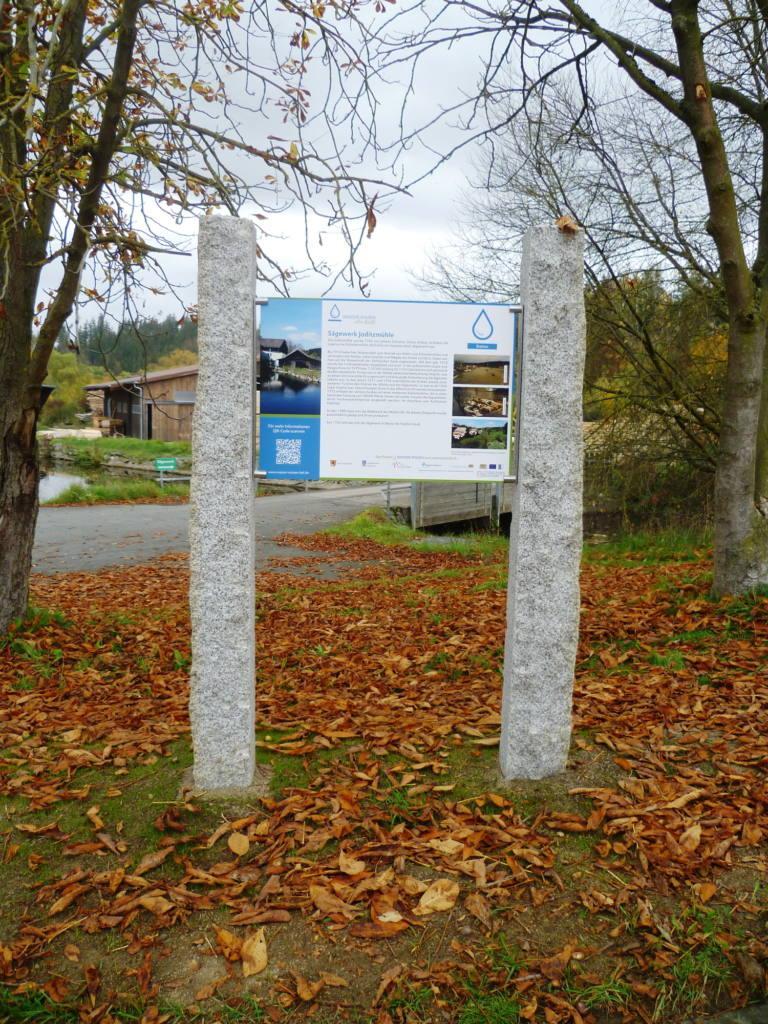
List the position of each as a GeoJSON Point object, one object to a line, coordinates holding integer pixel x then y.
{"type": "Point", "coordinates": [390, 875]}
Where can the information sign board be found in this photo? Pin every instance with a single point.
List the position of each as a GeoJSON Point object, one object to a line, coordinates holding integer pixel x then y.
{"type": "Point", "coordinates": [165, 465]}
{"type": "Point", "coordinates": [362, 389]}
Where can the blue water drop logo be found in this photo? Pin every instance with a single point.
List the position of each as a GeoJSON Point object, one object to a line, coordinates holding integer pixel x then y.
{"type": "Point", "coordinates": [482, 328]}
{"type": "Point", "coordinates": [335, 312]}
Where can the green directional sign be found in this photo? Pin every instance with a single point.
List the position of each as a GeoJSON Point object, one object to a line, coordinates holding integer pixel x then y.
{"type": "Point", "coordinates": [165, 465]}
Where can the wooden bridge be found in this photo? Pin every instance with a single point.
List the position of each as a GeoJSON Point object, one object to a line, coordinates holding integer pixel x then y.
{"type": "Point", "coordinates": [425, 505]}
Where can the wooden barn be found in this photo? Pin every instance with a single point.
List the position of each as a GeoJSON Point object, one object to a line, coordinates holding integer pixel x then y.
{"type": "Point", "coordinates": [300, 359]}
{"type": "Point", "coordinates": [274, 349]}
{"type": "Point", "coordinates": [153, 406]}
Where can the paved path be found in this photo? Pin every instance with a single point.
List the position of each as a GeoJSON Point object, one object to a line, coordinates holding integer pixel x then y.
{"type": "Point", "coordinates": [76, 538]}
{"type": "Point", "coordinates": [757, 1014]}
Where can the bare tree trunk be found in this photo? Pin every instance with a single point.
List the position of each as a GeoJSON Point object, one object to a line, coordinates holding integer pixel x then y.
{"type": "Point", "coordinates": [741, 523]}
{"type": "Point", "coordinates": [18, 467]}
{"type": "Point", "coordinates": [761, 475]}
{"type": "Point", "coordinates": [741, 528]}
{"type": "Point", "coordinates": [18, 516]}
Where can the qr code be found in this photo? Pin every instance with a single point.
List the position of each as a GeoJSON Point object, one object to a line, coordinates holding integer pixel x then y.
{"type": "Point", "coordinates": [288, 451]}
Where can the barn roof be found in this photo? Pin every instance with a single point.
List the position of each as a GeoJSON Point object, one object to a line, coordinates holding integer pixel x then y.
{"type": "Point", "coordinates": [301, 352]}
{"type": "Point", "coordinates": [143, 378]}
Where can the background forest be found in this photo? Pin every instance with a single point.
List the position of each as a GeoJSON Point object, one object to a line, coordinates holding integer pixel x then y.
{"type": "Point", "coordinates": [101, 350]}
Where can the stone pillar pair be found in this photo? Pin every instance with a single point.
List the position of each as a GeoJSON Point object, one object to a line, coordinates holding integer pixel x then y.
{"type": "Point", "coordinates": [545, 538]}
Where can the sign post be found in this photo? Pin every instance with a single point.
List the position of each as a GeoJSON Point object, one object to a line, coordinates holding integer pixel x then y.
{"type": "Point", "coordinates": [164, 466]}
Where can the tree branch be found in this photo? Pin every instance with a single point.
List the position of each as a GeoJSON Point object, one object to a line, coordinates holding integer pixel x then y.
{"type": "Point", "coordinates": [104, 150]}
{"type": "Point", "coordinates": [618, 48]}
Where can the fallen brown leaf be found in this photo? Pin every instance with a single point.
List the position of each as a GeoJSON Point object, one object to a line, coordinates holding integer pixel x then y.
{"type": "Point", "coordinates": [349, 865]}
{"type": "Point", "coordinates": [439, 896]}
{"type": "Point", "coordinates": [329, 904]}
{"type": "Point", "coordinates": [229, 943]}
{"type": "Point", "coordinates": [239, 843]}
{"type": "Point", "coordinates": [254, 953]}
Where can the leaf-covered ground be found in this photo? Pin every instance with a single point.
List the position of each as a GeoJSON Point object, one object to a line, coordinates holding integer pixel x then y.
{"type": "Point", "coordinates": [391, 876]}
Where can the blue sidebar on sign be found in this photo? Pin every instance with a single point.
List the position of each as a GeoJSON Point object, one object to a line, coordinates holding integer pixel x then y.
{"type": "Point", "coordinates": [290, 447]}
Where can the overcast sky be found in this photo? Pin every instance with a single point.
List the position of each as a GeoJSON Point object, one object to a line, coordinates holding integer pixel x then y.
{"type": "Point", "coordinates": [409, 226]}
{"type": "Point", "coordinates": [412, 226]}
{"type": "Point", "coordinates": [399, 246]}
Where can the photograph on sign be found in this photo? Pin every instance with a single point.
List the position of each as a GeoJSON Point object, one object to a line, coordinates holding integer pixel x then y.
{"type": "Point", "coordinates": [476, 369]}
{"type": "Point", "coordinates": [471, 433]}
{"type": "Point", "coordinates": [480, 401]}
{"type": "Point", "coordinates": [361, 389]}
{"type": "Point", "coordinates": [290, 362]}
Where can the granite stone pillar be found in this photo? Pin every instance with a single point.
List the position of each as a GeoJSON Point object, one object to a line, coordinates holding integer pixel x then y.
{"type": "Point", "coordinates": [221, 529]}
{"type": "Point", "coordinates": [546, 531]}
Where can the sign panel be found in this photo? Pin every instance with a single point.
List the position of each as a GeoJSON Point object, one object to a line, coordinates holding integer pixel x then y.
{"type": "Point", "coordinates": [289, 388]}
{"type": "Point", "coordinates": [362, 389]}
{"type": "Point", "coordinates": [165, 465]}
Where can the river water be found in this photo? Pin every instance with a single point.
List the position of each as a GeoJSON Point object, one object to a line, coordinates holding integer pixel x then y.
{"type": "Point", "coordinates": [286, 396]}
{"type": "Point", "coordinates": [54, 483]}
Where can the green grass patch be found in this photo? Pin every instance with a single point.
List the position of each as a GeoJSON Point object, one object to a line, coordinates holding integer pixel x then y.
{"type": "Point", "coordinates": [611, 994]}
{"type": "Point", "coordinates": [703, 971]}
{"type": "Point", "coordinates": [153, 785]}
{"type": "Point", "coordinates": [38, 618]}
{"type": "Point", "coordinates": [34, 1007]}
{"type": "Point", "coordinates": [744, 606]}
{"type": "Point", "coordinates": [507, 957]}
{"type": "Point", "coordinates": [119, 490]}
{"type": "Point", "coordinates": [674, 660]}
{"type": "Point", "coordinates": [575, 847]}
{"type": "Point", "coordinates": [289, 771]}
{"type": "Point", "coordinates": [700, 975]}
{"type": "Point", "coordinates": [496, 582]}
{"type": "Point", "coordinates": [643, 547]}
{"type": "Point", "coordinates": [651, 547]}
{"type": "Point", "coordinates": [375, 525]}
{"type": "Point", "coordinates": [94, 453]}
{"type": "Point", "coordinates": [24, 684]}
{"type": "Point", "coordinates": [128, 805]}
{"type": "Point", "coordinates": [488, 546]}
{"type": "Point", "coordinates": [413, 1003]}
{"type": "Point", "coordinates": [693, 636]}
{"type": "Point", "coordinates": [473, 769]}
{"type": "Point", "coordinates": [489, 1007]}
{"type": "Point", "coordinates": [42, 660]}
